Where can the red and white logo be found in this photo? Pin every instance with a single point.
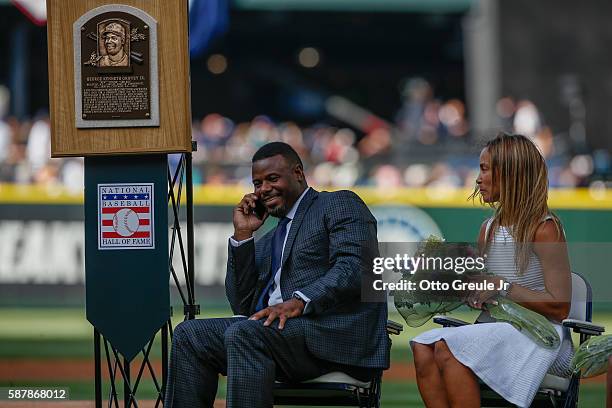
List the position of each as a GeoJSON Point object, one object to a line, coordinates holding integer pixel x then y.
{"type": "Point", "coordinates": [125, 218]}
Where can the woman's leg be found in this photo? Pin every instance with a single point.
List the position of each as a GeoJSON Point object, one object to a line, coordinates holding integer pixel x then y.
{"type": "Point", "coordinates": [429, 378]}
{"type": "Point", "coordinates": [460, 382]}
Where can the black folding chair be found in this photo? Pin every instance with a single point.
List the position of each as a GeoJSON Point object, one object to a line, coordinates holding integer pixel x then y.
{"type": "Point", "coordinates": [335, 388]}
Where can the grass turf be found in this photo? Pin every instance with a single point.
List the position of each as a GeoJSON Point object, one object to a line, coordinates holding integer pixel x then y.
{"type": "Point", "coordinates": [65, 333]}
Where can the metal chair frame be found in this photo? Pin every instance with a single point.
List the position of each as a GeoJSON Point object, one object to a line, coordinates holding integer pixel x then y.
{"type": "Point", "coordinates": [334, 393]}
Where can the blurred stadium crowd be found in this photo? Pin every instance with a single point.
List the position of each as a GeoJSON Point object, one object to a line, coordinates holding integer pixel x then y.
{"type": "Point", "coordinates": [429, 143]}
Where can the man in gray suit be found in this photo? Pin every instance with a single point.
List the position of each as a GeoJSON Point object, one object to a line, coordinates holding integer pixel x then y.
{"type": "Point", "coordinates": [299, 285]}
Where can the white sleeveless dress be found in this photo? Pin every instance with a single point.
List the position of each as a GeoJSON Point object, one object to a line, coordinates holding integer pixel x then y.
{"type": "Point", "coordinates": [505, 359]}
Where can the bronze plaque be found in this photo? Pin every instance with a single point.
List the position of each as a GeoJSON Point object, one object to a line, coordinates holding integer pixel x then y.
{"type": "Point", "coordinates": [116, 72]}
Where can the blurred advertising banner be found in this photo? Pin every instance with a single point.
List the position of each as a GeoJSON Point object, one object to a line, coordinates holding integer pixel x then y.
{"type": "Point", "coordinates": [42, 231]}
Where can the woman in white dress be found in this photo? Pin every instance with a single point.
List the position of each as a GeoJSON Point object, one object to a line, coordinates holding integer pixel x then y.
{"type": "Point", "coordinates": [449, 361]}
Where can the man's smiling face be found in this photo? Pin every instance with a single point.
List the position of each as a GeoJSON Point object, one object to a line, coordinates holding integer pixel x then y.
{"type": "Point", "coordinates": [278, 184]}
{"type": "Point", "coordinates": [113, 43]}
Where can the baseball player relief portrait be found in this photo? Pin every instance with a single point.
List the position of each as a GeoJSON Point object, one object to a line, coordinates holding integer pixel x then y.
{"type": "Point", "coordinates": [113, 37]}
{"type": "Point", "coordinates": [113, 43]}
{"type": "Point", "coordinates": [125, 216]}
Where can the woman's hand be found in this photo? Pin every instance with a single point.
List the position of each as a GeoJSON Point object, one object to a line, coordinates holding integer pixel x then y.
{"type": "Point", "coordinates": [478, 298]}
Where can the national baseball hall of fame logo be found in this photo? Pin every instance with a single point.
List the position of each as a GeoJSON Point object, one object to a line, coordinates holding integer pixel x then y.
{"type": "Point", "coordinates": [125, 216]}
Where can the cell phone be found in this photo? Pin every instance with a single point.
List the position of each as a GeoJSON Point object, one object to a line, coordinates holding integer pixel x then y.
{"type": "Point", "coordinates": [260, 209]}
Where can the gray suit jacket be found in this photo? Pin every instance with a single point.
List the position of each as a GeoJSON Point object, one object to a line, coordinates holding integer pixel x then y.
{"type": "Point", "coordinates": [331, 242]}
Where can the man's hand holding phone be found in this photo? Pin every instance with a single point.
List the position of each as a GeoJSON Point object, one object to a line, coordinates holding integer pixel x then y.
{"type": "Point", "coordinates": [249, 216]}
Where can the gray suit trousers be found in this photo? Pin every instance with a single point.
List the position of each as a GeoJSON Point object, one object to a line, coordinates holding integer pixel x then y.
{"type": "Point", "coordinates": [249, 353]}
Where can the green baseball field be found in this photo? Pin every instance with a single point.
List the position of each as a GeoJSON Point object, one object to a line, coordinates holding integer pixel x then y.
{"type": "Point", "coordinates": [53, 347]}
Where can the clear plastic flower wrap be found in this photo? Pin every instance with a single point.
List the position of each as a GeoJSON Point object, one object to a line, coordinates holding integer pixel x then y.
{"type": "Point", "coordinates": [591, 358]}
{"type": "Point", "coordinates": [416, 313]}
{"type": "Point", "coordinates": [532, 324]}
{"type": "Point", "coordinates": [419, 306]}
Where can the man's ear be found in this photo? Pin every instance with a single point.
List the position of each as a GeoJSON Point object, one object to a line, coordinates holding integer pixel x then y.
{"type": "Point", "coordinates": [298, 170]}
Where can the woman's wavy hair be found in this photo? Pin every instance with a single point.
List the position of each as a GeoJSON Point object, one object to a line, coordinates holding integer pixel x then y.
{"type": "Point", "coordinates": [519, 169]}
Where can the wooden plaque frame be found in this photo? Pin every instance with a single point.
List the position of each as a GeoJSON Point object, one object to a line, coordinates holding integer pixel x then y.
{"type": "Point", "coordinates": [174, 131]}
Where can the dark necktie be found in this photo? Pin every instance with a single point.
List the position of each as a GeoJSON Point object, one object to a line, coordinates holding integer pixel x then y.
{"type": "Point", "coordinates": [277, 254]}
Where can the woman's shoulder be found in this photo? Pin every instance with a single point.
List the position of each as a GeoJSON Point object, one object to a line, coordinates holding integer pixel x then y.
{"type": "Point", "coordinates": [549, 230]}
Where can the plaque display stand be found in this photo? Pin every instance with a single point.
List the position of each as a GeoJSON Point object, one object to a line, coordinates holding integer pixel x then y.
{"type": "Point", "coordinates": [106, 357]}
{"type": "Point", "coordinates": [119, 95]}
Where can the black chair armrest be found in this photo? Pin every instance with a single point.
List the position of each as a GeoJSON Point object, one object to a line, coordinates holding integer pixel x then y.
{"type": "Point", "coordinates": [394, 327]}
{"type": "Point", "coordinates": [583, 327]}
{"type": "Point", "coordinates": [449, 321]}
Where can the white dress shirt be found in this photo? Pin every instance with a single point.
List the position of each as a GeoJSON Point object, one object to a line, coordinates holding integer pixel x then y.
{"type": "Point", "coordinates": [275, 292]}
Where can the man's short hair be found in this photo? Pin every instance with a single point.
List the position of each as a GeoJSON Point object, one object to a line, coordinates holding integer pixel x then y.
{"type": "Point", "coordinates": [278, 148]}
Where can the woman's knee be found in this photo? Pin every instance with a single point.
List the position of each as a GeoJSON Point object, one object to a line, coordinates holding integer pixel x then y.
{"type": "Point", "coordinates": [423, 359]}
{"type": "Point", "coordinates": [442, 354]}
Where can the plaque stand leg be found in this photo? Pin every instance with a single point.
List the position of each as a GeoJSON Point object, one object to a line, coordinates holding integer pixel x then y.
{"type": "Point", "coordinates": [97, 369]}
{"type": "Point", "coordinates": [119, 368]}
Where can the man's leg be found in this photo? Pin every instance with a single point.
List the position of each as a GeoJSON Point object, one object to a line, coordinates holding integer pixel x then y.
{"type": "Point", "coordinates": [197, 358]}
{"type": "Point", "coordinates": [257, 355]}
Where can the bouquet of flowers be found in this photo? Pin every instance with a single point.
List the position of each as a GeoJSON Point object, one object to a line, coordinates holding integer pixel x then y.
{"type": "Point", "coordinates": [591, 358]}
{"type": "Point", "coordinates": [418, 306]}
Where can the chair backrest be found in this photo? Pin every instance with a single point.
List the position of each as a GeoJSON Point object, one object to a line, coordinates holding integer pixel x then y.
{"type": "Point", "coordinates": [582, 307]}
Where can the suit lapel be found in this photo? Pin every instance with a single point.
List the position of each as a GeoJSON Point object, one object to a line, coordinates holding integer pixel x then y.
{"type": "Point", "coordinates": [306, 202]}
{"type": "Point", "coordinates": [266, 264]}
{"type": "Point", "coordinates": [264, 272]}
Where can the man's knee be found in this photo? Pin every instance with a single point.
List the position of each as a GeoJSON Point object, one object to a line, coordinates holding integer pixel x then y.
{"type": "Point", "coordinates": [199, 335]}
{"type": "Point", "coordinates": [181, 333]}
{"type": "Point", "coordinates": [442, 353]}
{"type": "Point", "coordinates": [245, 332]}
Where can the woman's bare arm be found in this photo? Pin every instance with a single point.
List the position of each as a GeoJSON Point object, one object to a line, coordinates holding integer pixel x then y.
{"type": "Point", "coordinates": [551, 249]}
{"type": "Point", "coordinates": [554, 301]}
